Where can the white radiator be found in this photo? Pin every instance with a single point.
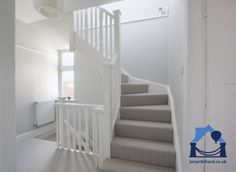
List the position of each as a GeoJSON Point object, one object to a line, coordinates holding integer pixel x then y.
{"type": "Point", "coordinates": [45, 113]}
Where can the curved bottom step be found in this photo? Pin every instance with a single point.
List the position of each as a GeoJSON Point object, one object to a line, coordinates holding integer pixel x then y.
{"type": "Point", "coordinates": [118, 165]}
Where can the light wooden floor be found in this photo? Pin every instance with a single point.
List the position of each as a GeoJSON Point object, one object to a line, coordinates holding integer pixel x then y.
{"type": "Point", "coordinates": [36, 155]}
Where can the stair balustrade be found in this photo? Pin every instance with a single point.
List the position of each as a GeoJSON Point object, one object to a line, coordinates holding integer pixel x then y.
{"type": "Point", "coordinates": [89, 128]}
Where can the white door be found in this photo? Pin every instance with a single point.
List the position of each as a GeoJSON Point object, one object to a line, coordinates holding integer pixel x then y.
{"type": "Point", "coordinates": [221, 77]}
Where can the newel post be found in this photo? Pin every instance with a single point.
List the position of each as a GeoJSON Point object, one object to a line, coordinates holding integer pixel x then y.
{"type": "Point", "coordinates": [105, 123]}
{"type": "Point", "coordinates": [117, 14]}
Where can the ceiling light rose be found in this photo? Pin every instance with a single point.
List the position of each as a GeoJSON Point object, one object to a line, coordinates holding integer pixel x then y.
{"type": "Point", "coordinates": [48, 8]}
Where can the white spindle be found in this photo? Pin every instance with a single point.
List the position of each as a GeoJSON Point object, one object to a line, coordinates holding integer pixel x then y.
{"type": "Point", "coordinates": [86, 25]}
{"type": "Point", "coordinates": [96, 27]}
{"type": "Point", "coordinates": [75, 21]}
{"type": "Point", "coordinates": [106, 35]}
{"type": "Point", "coordinates": [57, 125]}
{"type": "Point", "coordinates": [82, 23]}
{"type": "Point", "coordinates": [80, 130]}
{"type": "Point", "coordinates": [68, 127]}
{"type": "Point", "coordinates": [111, 37]}
{"type": "Point", "coordinates": [101, 31]}
{"type": "Point", "coordinates": [78, 21]}
{"type": "Point", "coordinates": [91, 26]}
{"type": "Point", "coordinates": [61, 127]}
{"type": "Point", "coordinates": [74, 127]}
{"type": "Point", "coordinates": [86, 130]}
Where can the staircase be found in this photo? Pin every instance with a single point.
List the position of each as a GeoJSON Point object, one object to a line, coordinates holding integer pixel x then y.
{"type": "Point", "coordinates": [143, 136]}
{"type": "Point", "coordinates": [138, 113]}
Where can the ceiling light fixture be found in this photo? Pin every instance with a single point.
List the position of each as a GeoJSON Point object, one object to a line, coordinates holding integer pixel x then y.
{"type": "Point", "coordinates": [48, 8]}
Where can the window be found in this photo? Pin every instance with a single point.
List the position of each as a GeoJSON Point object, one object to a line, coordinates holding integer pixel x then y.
{"type": "Point", "coordinates": [66, 74]}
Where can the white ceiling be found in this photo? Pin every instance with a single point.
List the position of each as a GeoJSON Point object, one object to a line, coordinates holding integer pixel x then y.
{"type": "Point", "coordinates": [26, 13]}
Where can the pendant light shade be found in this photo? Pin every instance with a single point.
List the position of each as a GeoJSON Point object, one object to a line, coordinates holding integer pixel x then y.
{"type": "Point", "coordinates": [48, 8]}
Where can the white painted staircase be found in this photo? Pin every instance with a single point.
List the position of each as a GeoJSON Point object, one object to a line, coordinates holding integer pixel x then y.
{"type": "Point", "coordinates": [143, 139]}
{"type": "Point", "coordinates": [132, 131]}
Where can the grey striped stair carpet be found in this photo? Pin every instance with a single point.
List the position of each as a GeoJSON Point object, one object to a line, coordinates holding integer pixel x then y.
{"type": "Point", "coordinates": [143, 140]}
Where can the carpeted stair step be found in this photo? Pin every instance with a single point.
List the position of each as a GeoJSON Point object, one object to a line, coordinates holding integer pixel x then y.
{"type": "Point", "coordinates": [143, 99]}
{"type": "Point", "coordinates": [144, 130]}
{"type": "Point", "coordinates": [143, 151]}
{"type": "Point", "coordinates": [127, 88]}
{"type": "Point", "coordinates": [124, 78]}
{"type": "Point", "coordinates": [155, 113]}
{"type": "Point", "coordinates": [118, 165]}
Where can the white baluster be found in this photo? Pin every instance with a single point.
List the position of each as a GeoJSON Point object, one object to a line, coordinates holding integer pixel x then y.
{"type": "Point", "coordinates": [96, 27]}
{"type": "Point", "coordinates": [61, 123]}
{"type": "Point", "coordinates": [78, 21]}
{"type": "Point", "coordinates": [75, 21]}
{"type": "Point", "coordinates": [57, 125]}
{"type": "Point", "coordinates": [111, 37]}
{"type": "Point", "coordinates": [86, 115]}
{"type": "Point", "coordinates": [68, 127]}
{"type": "Point", "coordinates": [106, 36]}
{"type": "Point", "coordinates": [82, 24]}
{"type": "Point", "coordinates": [91, 25]}
{"type": "Point", "coordinates": [86, 25]}
{"type": "Point", "coordinates": [74, 127]}
{"type": "Point", "coordinates": [101, 31]}
{"type": "Point", "coordinates": [80, 129]}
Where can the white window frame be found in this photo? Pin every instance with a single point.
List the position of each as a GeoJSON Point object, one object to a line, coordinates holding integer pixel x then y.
{"type": "Point", "coordinates": [62, 69]}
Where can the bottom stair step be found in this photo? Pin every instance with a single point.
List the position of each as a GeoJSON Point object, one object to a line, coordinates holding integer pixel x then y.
{"type": "Point", "coordinates": [118, 165]}
{"type": "Point", "coordinates": [143, 151]}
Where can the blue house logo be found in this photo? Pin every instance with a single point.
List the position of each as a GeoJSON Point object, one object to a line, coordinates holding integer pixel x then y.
{"type": "Point", "coordinates": [216, 136]}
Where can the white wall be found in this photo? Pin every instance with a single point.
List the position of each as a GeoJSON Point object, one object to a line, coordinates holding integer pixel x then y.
{"type": "Point", "coordinates": [46, 36]}
{"type": "Point", "coordinates": [176, 57]}
{"type": "Point", "coordinates": [144, 49]}
{"type": "Point", "coordinates": [177, 66]}
{"type": "Point", "coordinates": [195, 100]}
{"type": "Point", "coordinates": [36, 80]}
{"type": "Point", "coordinates": [7, 93]}
{"type": "Point", "coordinates": [37, 66]}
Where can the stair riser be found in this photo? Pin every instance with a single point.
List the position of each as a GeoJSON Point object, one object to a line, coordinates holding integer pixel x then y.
{"type": "Point", "coordinates": [146, 115]}
{"type": "Point", "coordinates": [148, 156]}
{"type": "Point", "coordinates": [141, 132]}
{"type": "Point", "coordinates": [133, 89]}
{"type": "Point", "coordinates": [141, 100]}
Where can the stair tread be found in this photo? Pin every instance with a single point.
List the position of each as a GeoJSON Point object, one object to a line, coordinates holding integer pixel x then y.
{"type": "Point", "coordinates": [149, 107]}
{"type": "Point", "coordinates": [129, 88]}
{"type": "Point", "coordinates": [145, 94]}
{"type": "Point", "coordinates": [118, 165]}
{"type": "Point", "coordinates": [134, 84]}
{"type": "Point", "coordinates": [146, 144]}
{"type": "Point", "coordinates": [144, 123]}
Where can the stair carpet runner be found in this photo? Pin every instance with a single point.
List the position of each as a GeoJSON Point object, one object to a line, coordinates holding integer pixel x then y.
{"type": "Point", "coordinates": [143, 140]}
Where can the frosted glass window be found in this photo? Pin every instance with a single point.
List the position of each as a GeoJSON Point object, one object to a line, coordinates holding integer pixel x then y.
{"type": "Point", "coordinates": [67, 59]}
{"type": "Point", "coordinates": [68, 83]}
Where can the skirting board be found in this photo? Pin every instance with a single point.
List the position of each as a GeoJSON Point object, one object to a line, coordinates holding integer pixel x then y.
{"type": "Point", "coordinates": [41, 132]}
